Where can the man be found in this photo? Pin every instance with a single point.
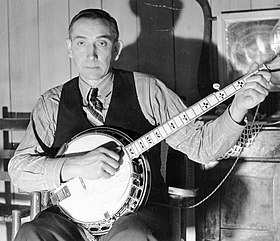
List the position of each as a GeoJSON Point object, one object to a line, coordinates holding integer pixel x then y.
{"type": "Point", "coordinates": [134, 102]}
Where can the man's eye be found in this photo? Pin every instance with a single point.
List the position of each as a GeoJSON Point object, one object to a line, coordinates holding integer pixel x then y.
{"type": "Point", "coordinates": [81, 43]}
{"type": "Point", "coordinates": [102, 43]}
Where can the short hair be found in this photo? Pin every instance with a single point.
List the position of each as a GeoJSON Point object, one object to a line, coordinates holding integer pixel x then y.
{"type": "Point", "coordinates": [92, 13]}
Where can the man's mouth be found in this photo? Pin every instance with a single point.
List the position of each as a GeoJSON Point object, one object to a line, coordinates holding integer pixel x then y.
{"type": "Point", "coordinates": [91, 67]}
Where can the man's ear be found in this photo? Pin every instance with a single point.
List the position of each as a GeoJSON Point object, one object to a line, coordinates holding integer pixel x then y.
{"type": "Point", "coordinates": [68, 45]}
{"type": "Point", "coordinates": [117, 49]}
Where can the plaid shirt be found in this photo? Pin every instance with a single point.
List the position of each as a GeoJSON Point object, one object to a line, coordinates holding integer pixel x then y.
{"type": "Point", "coordinates": [202, 143]}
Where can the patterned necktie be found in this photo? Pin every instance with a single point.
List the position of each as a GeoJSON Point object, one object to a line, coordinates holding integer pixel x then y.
{"type": "Point", "coordinates": [94, 108]}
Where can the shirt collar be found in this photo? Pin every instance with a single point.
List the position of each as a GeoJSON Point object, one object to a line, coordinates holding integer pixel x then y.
{"type": "Point", "coordinates": [104, 87]}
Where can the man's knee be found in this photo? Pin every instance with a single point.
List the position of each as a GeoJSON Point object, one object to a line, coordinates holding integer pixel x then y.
{"type": "Point", "coordinates": [129, 227]}
{"type": "Point", "coordinates": [26, 231]}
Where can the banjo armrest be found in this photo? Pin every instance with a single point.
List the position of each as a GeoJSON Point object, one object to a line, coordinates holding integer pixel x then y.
{"type": "Point", "coordinates": [180, 193]}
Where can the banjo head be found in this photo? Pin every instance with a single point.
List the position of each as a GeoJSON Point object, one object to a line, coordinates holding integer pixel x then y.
{"type": "Point", "coordinates": [96, 204]}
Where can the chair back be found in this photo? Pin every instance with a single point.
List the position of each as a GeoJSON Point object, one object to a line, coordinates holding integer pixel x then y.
{"type": "Point", "coordinates": [11, 124]}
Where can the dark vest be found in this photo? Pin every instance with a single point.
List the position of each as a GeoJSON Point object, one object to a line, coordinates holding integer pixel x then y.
{"type": "Point", "coordinates": [124, 113]}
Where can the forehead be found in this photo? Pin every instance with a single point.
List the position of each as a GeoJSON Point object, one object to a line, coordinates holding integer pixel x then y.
{"type": "Point", "coordinates": [86, 27]}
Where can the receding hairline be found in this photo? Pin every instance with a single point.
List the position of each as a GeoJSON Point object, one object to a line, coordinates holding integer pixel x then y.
{"type": "Point", "coordinates": [99, 15]}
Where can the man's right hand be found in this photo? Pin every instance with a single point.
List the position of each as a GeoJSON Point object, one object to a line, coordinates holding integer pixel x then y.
{"type": "Point", "coordinates": [95, 164]}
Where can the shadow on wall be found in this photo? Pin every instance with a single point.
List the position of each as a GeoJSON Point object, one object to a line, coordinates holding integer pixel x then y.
{"type": "Point", "coordinates": [174, 60]}
{"type": "Point", "coordinates": [186, 65]}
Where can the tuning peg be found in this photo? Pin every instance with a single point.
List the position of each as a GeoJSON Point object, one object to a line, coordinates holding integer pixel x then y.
{"type": "Point", "coordinates": [216, 86]}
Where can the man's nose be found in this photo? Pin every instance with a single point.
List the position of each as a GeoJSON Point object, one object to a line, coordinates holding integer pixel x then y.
{"type": "Point", "coordinates": [92, 53]}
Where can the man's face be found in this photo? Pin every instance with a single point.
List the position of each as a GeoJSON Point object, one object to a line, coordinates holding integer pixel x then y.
{"type": "Point", "coordinates": [92, 48]}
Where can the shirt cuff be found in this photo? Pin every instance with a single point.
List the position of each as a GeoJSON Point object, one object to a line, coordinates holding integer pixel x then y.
{"type": "Point", "coordinates": [242, 123]}
{"type": "Point", "coordinates": [53, 170]}
{"type": "Point", "coordinates": [230, 126]}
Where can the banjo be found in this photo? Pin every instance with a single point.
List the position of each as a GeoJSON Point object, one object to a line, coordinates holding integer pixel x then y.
{"type": "Point", "coordinates": [96, 204]}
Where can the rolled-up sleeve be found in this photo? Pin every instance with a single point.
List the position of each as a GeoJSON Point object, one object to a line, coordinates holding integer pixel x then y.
{"type": "Point", "coordinates": [204, 143]}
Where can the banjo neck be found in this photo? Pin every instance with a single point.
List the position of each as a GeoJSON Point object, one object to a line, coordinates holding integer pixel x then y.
{"type": "Point", "coordinates": [161, 132]}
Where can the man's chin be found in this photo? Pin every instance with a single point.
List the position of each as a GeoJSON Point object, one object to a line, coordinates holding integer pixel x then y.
{"type": "Point", "coordinates": [92, 77]}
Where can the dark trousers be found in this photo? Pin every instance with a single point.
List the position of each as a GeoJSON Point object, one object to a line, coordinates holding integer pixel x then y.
{"type": "Point", "coordinates": [148, 223]}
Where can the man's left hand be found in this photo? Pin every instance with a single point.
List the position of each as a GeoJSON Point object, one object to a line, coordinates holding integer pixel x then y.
{"type": "Point", "coordinates": [253, 92]}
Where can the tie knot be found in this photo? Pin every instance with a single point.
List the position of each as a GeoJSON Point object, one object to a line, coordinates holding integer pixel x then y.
{"type": "Point", "coordinates": [92, 98]}
{"type": "Point", "coordinates": [93, 93]}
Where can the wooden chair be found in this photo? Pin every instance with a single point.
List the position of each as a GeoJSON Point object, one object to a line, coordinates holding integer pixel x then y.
{"type": "Point", "coordinates": [11, 214]}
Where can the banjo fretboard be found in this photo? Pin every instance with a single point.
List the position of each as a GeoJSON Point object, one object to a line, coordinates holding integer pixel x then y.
{"type": "Point", "coordinates": [163, 131]}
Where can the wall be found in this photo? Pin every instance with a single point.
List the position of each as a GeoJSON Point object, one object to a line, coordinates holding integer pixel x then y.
{"type": "Point", "coordinates": [33, 57]}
